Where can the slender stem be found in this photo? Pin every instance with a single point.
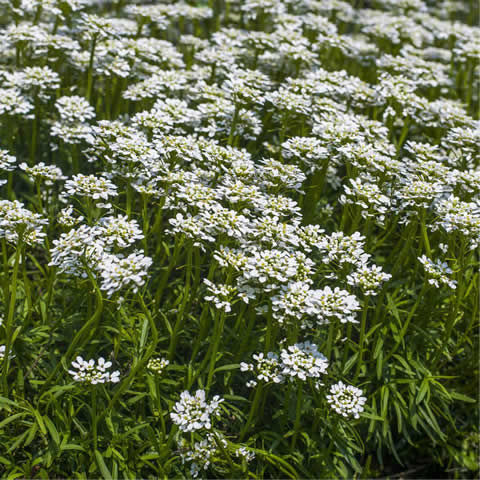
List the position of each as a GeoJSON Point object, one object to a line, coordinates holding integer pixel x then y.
{"type": "Point", "coordinates": [361, 341]}
{"type": "Point", "coordinates": [181, 311]}
{"type": "Point", "coordinates": [298, 413]}
{"type": "Point", "coordinates": [455, 306]}
{"type": "Point", "coordinates": [33, 141]}
{"type": "Point", "coordinates": [133, 372]}
{"type": "Point", "coordinates": [253, 411]}
{"type": "Point", "coordinates": [213, 358]}
{"type": "Point", "coordinates": [90, 68]}
{"type": "Point", "coordinates": [11, 314]}
{"type": "Point", "coordinates": [270, 331]}
{"type": "Point", "coordinates": [426, 242]}
{"type": "Point", "coordinates": [231, 135]}
{"type": "Point", "coordinates": [94, 416]}
{"type": "Point", "coordinates": [88, 328]}
{"type": "Point", "coordinates": [331, 331]}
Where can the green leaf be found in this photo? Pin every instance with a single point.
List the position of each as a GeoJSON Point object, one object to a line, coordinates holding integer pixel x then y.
{"type": "Point", "coordinates": [424, 389]}
{"type": "Point", "coordinates": [102, 466]}
{"type": "Point", "coordinates": [223, 368]}
{"type": "Point", "coordinates": [53, 431]}
{"type": "Point", "coordinates": [462, 398]}
{"type": "Point", "coordinates": [12, 418]}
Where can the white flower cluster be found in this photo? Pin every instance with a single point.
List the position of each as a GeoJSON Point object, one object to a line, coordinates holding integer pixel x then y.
{"type": "Point", "coordinates": [220, 295]}
{"type": "Point", "coordinates": [298, 303]}
{"type": "Point", "coordinates": [346, 400]}
{"type": "Point", "coordinates": [193, 412]}
{"type": "Point", "coordinates": [41, 172]}
{"type": "Point", "coordinates": [201, 454]}
{"type": "Point", "coordinates": [438, 272]}
{"type": "Point", "coordinates": [17, 222]}
{"type": "Point", "coordinates": [157, 365]}
{"type": "Point", "coordinates": [266, 368]}
{"type": "Point", "coordinates": [91, 247]}
{"type": "Point", "coordinates": [301, 360]}
{"type": "Point", "coordinates": [368, 278]}
{"type": "Point", "coordinates": [90, 186]}
{"type": "Point", "coordinates": [93, 372]}
{"type": "Point", "coordinates": [118, 273]}
{"type": "Point", "coordinates": [198, 454]}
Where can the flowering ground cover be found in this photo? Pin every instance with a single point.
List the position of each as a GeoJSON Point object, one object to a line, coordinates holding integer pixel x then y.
{"type": "Point", "coordinates": [239, 239]}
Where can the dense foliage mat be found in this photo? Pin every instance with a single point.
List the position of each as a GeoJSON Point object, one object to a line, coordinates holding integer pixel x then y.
{"type": "Point", "coordinates": [239, 239]}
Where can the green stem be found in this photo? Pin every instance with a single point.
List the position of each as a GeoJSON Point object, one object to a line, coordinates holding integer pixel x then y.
{"type": "Point", "coordinates": [88, 328]}
{"type": "Point", "coordinates": [454, 309]}
{"type": "Point", "coordinates": [331, 331]}
{"type": "Point", "coordinates": [231, 135]}
{"type": "Point", "coordinates": [213, 358]}
{"type": "Point", "coordinates": [269, 336]}
{"type": "Point", "coordinates": [181, 311]}
{"type": "Point", "coordinates": [94, 416]}
{"type": "Point", "coordinates": [11, 314]}
{"type": "Point", "coordinates": [141, 364]}
{"type": "Point", "coordinates": [426, 242]}
{"type": "Point", "coordinates": [298, 413]}
{"type": "Point", "coordinates": [33, 142]}
{"type": "Point", "coordinates": [363, 324]}
{"type": "Point", "coordinates": [253, 411]}
{"type": "Point", "coordinates": [90, 69]}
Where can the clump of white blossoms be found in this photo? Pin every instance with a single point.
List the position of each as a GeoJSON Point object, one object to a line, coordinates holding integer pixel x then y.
{"type": "Point", "coordinates": [41, 172]}
{"type": "Point", "coordinates": [302, 361]}
{"type": "Point", "coordinates": [346, 400]}
{"type": "Point", "coordinates": [199, 454]}
{"type": "Point", "coordinates": [74, 109]}
{"type": "Point", "coordinates": [266, 368]}
{"type": "Point", "coordinates": [2, 352]}
{"type": "Point", "coordinates": [90, 186]}
{"type": "Point", "coordinates": [17, 222]}
{"type": "Point", "coordinates": [438, 272]}
{"type": "Point", "coordinates": [117, 272]}
{"type": "Point", "coordinates": [368, 278]}
{"type": "Point", "coordinates": [120, 231]}
{"type": "Point", "coordinates": [157, 365]}
{"type": "Point", "coordinates": [193, 412]}
{"type": "Point", "coordinates": [77, 248]}
{"type": "Point", "coordinates": [339, 249]}
{"type": "Point", "coordinates": [245, 454]}
{"type": "Point", "coordinates": [93, 372]}
{"type": "Point", "coordinates": [66, 218]}
{"type": "Point", "coordinates": [335, 303]}
{"type": "Point", "coordinates": [221, 295]}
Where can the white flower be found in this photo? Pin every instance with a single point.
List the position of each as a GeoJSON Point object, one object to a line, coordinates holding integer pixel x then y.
{"type": "Point", "coordinates": [119, 230]}
{"type": "Point", "coordinates": [118, 273]}
{"type": "Point", "coordinates": [40, 171]}
{"type": "Point", "coordinates": [438, 272]}
{"type": "Point", "coordinates": [73, 109]}
{"type": "Point", "coordinates": [90, 186]}
{"type": "Point", "coordinates": [93, 372]}
{"type": "Point", "coordinates": [200, 453]}
{"type": "Point", "coordinates": [18, 222]}
{"type": "Point", "coordinates": [221, 295]}
{"type": "Point", "coordinates": [346, 400]}
{"type": "Point", "coordinates": [368, 278]}
{"type": "Point", "coordinates": [193, 412]}
{"type": "Point", "coordinates": [266, 368]}
{"type": "Point", "coordinates": [303, 360]}
{"type": "Point", "coordinates": [157, 365]}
